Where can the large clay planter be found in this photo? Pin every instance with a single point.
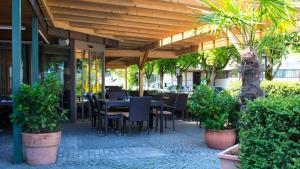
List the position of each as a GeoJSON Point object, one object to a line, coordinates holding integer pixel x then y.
{"type": "Point", "coordinates": [41, 149]}
{"type": "Point", "coordinates": [221, 139]}
{"type": "Point", "coordinates": [228, 158]}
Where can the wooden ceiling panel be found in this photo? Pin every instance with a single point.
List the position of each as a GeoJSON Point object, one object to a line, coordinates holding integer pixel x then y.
{"type": "Point", "coordinates": [121, 10]}
{"type": "Point", "coordinates": [115, 16]}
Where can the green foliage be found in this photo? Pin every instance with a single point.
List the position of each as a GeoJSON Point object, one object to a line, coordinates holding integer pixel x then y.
{"type": "Point", "coordinates": [270, 134]}
{"type": "Point", "coordinates": [132, 80]}
{"type": "Point", "coordinates": [215, 110]}
{"type": "Point", "coordinates": [247, 17]}
{"type": "Point", "coordinates": [38, 106]}
{"type": "Point", "coordinates": [270, 88]}
{"type": "Point", "coordinates": [184, 62]}
{"type": "Point", "coordinates": [165, 66]}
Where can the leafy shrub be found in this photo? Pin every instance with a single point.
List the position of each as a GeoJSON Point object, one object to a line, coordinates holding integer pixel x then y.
{"type": "Point", "coordinates": [215, 110]}
{"type": "Point", "coordinates": [270, 88]}
{"type": "Point", "coordinates": [270, 134]}
{"type": "Point", "coordinates": [38, 106]}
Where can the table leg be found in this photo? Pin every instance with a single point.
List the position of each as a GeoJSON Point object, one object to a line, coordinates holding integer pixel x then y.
{"type": "Point", "coordinates": [161, 120]}
{"type": "Point", "coordinates": [151, 121]}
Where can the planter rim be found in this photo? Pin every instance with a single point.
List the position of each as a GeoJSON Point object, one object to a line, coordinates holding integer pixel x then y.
{"type": "Point", "coordinates": [24, 133]}
{"type": "Point", "coordinates": [223, 130]}
{"type": "Point", "coordinates": [224, 154]}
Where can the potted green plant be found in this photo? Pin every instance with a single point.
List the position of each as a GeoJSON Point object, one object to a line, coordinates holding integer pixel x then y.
{"type": "Point", "coordinates": [218, 113]}
{"type": "Point", "coordinates": [40, 117]}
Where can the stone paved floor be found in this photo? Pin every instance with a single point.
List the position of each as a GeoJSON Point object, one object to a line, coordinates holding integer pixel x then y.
{"type": "Point", "coordinates": [82, 147]}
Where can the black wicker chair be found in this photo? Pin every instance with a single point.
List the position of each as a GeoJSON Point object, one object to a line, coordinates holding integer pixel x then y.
{"type": "Point", "coordinates": [139, 108]}
{"type": "Point", "coordinates": [181, 105]}
{"type": "Point", "coordinates": [169, 110]}
{"type": "Point", "coordinates": [95, 112]}
{"type": "Point", "coordinates": [110, 115]}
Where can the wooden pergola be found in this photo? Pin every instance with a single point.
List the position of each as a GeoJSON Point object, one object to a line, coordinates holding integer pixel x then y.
{"type": "Point", "coordinates": [146, 30]}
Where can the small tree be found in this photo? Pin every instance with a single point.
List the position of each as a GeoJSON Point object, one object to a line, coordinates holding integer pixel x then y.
{"type": "Point", "coordinates": [148, 71]}
{"type": "Point", "coordinates": [162, 67]}
{"type": "Point", "coordinates": [183, 63]}
{"type": "Point", "coordinates": [244, 18]}
{"type": "Point", "coordinates": [275, 49]}
{"type": "Point", "coordinates": [132, 80]}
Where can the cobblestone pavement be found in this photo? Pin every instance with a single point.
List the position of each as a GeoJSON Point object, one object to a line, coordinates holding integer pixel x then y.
{"type": "Point", "coordinates": [82, 147]}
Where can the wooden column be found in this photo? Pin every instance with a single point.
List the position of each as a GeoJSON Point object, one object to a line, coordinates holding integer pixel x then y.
{"type": "Point", "coordinates": [35, 51]}
{"type": "Point", "coordinates": [103, 74]}
{"type": "Point", "coordinates": [16, 74]}
{"type": "Point", "coordinates": [72, 67]}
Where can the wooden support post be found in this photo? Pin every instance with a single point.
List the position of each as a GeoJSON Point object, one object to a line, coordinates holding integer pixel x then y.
{"type": "Point", "coordinates": [35, 51]}
{"type": "Point", "coordinates": [141, 72]}
{"type": "Point", "coordinates": [16, 74]}
{"type": "Point", "coordinates": [103, 74]}
{"type": "Point", "coordinates": [72, 67]}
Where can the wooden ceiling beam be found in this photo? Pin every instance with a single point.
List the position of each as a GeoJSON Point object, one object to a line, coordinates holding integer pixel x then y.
{"type": "Point", "coordinates": [138, 54]}
{"type": "Point", "coordinates": [82, 19]}
{"type": "Point", "coordinates": [130, 34]}
{"type": "Point", "coordinates": [65, 25]}
{"type": "Point", "coordinates": [121, 10]}
{"type": "Point", "coordinates": [119, 28]}
{"type": "Point", "coordinates": [44, 6]}
{"type": "Point", "coordinates": [114, 16]}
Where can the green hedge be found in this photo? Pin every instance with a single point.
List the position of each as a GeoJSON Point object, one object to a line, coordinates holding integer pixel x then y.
{"type": "Point", "coordinates": [270, 134]}
{"type": "Point", "coordinates": [271, 88]}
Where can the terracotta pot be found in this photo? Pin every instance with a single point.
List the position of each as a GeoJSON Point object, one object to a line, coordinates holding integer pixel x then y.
{"type": "Point", "coordinates": [228, 158]}
{"type": "Point", "coordinates": [220, 139]}
{"type": "Point", "coordinates": [41, 149]}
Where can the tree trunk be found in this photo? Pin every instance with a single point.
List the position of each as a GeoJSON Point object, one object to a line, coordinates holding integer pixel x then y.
{"type": "Point", "coordinates": [269, 70]}
{"type": "Point", "coordinates": [179, 81]}
{"type": "Point", "coordinates": [250, 72]}
{"type": "Point", "coordinates": [212, 77]}
{"type": "Point", "coordinates": [161, 79]}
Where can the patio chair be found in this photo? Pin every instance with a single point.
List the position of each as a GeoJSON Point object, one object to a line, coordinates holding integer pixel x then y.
{"type": "Point", "coordinates": [94, 111]}
{"type": "Point", "coordinates": [181, 105]}
{"type": "Point", "coordinates": [139, 108]}
{"type": "Point", "coordinates": [111, 115]}
{"type": "Point", "coordinates": [169, 110]}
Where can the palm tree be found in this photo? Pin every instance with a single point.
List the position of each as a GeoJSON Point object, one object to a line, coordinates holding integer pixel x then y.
{"type": "Point", "coordinates": [245, 21]}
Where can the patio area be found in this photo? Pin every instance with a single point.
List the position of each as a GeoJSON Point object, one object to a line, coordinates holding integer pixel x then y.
{"type": "Point", "coordinates": [82, 147]}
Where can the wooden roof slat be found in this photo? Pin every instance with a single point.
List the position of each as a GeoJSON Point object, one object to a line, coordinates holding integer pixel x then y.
{"type": "Point", "coordinates": [149, 4]}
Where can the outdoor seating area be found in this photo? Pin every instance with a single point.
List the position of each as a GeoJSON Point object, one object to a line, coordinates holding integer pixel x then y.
{"type": "Point", "coordinates": [118, 107]}
{"type": "Point", "coordinates": [144, 84]}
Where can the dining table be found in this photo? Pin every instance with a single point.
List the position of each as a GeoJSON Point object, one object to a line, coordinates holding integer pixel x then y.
{"type": "Point", "coordinates": [109, 103]}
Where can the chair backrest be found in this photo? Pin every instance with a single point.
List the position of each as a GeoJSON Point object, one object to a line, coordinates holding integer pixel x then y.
{"type": "Point", "coordinates": [117, 95]}
{"type": "Point", "coordinates": [91, 102]}
{"type": "Point", "coordinates": [139, 108]}
{"type": "Point", "coordinates": [98, 106]}
{"type": "Point", "coordinates": [181, 101]}
{"type": "Point", "coordinates": [173, 98]}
